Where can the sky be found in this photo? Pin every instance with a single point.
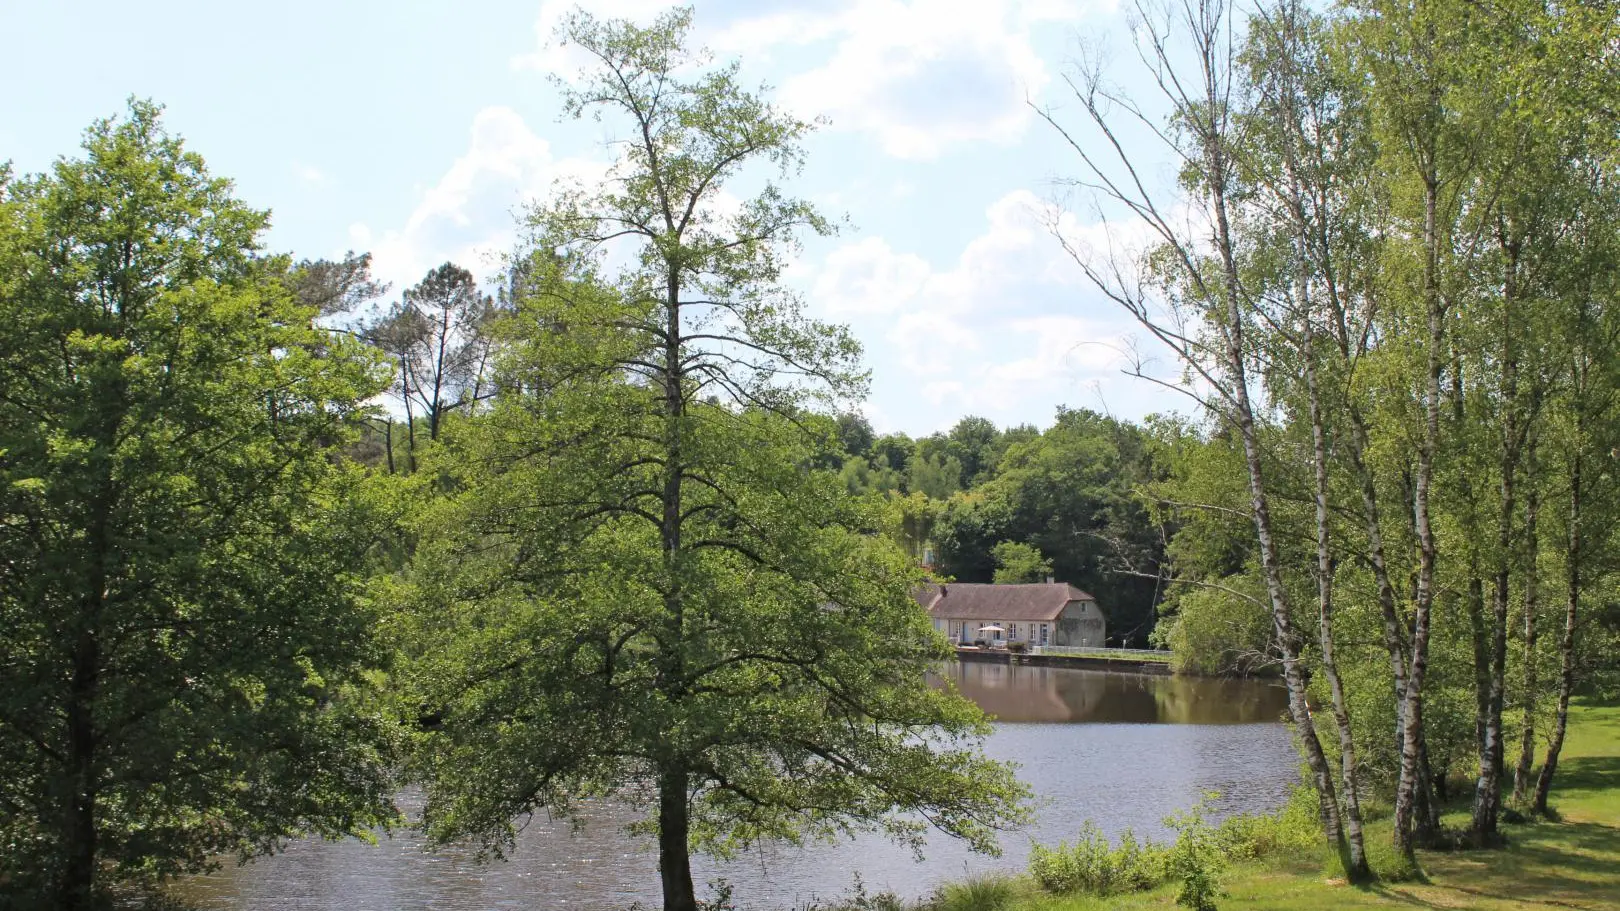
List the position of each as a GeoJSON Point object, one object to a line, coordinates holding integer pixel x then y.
{"type": "Point", "coordinates": [418, 131]}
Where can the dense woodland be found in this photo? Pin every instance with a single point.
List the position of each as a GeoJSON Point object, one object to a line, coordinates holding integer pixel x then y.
{"type": "Point", "coordinates": [276, 538]}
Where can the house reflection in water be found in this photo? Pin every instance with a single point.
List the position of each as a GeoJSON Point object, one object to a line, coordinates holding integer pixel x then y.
{"type": "Point", "coordinates": [1055, 695]}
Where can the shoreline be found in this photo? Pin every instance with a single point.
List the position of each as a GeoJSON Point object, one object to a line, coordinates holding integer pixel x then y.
{"type": "Point", "coordinates": [1088, 662]}
{"type": "Point", "coordinates": [1569, 861]}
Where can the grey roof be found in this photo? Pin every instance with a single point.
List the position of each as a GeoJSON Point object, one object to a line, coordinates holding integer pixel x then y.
{"type": "Point", "coordinates": [978, 601]}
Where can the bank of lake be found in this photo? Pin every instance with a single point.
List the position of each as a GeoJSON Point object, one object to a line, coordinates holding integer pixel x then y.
{"type": "Point", "coordinates": [1571, 862]}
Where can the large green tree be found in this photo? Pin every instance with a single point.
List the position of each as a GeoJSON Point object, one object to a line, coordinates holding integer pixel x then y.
{"type": "Point", "coordinates": [182, 647]}
{"type": "Point", "coordinates": [646, 587]}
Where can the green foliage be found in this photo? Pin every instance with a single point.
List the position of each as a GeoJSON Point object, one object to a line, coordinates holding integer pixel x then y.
{"type": "Point", "coordinates": [1195, 860]}
{"type": "Point", "coordinates": [990, 892]}
{"type": "Point", "coordinates": [1215, 631]}
{"type": "Point", "coordinates": [1292, 831]}
{"type": "Point", "coordinates": [1094, 866]}
{"type": "Point", "coordinates": [642, 543]}
{"type": "Point", "coordinates": [1071, 493]}
{"type": "Point", "coordinates": [855, 434]}
{"type": "Point", "coordinates": [189, 662]}
{"type": "Point", "coordinates": [1018, 562]}
{"type": "Point", "coordinates": [859, 899]}
{"type": "Point", "coordinates": [935, 476]}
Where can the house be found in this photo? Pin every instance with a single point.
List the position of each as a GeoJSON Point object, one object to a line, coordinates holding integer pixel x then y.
{"type": "Point", "coordinates": [1042, 613]}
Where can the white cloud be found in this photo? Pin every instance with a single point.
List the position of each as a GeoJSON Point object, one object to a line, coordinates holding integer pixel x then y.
{"type": "Point", "coordinates": [940, 390]}
{"type": "Point", "coordinates": [930, 343]}
{"type": "Point", "coordinates": [922, 75]}
{"type": "Point", "coordinates": [467, 215]}
{"type": "Point", "coordinates": [1008, 329]}
{"type": "Point", "coordinates": [1061, 353]}
{"type": "Point", "coordinates": [310, 174]}
{"type": "Point", "coordinates": [868, 276]}
{"type": "Point", "coordinates": [918, 75]}
{"type": "Point", "coordinates": [1015, 249]}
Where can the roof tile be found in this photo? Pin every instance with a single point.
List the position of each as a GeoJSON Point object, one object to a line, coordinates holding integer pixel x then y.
{"type": "Point", "coordinates": [978, 601]}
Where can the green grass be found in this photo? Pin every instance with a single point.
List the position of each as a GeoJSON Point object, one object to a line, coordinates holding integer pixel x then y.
{"type": "Point", "coordinates": [1130, 659]}
{"type": "Point", "coordinates": [1570, 863]}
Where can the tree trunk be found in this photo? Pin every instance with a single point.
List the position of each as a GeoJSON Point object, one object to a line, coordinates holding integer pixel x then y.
{"type": "Point", "coordinates": [1412, 710]}
{"type": "Point", "coordinates": [1432, 793]}
{"type": "Point", "coordinates": [1532, 605]}
{"type": "Point", "coordinates": [76, 890]}
{"type": "Point", "coordinates": [1566, 642]}
{"type": "Point", "coordinates": [674, 858]}
{"type": "Point", "coordinates": [388, 442]}
{"type": "Point", "coordinates": [1488, 789]}
{"type": "Point", "coordinates": [1355, 861]}
{"type": "Point", "coordinates": [1487, 737]}
{"type": "Point", "coordinates": [1242, 415]}
{"type": "Point", "coordinates": [674, 824]}
{"type": "Point", "coordinates": [410, 436]}
{"type": "Point", "coordinates": [435, 406]}
{"type": "Point", "coordinates": [1394, 641]}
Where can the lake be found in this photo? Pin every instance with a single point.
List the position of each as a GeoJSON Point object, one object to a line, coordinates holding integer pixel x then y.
{"type": "Point", "coordinates": [1121, 749]}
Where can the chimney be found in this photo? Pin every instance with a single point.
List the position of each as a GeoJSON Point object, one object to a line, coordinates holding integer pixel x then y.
{"type": "Point", "coordinates": [1050, 580]}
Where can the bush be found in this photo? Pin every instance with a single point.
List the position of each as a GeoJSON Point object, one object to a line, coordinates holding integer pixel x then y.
{"type": "Point", "coordinates": [861, 900]}
{"type": "Point", "coordinates": [1017, 646]}
{"type": "Point", "coordinates": [1196, 859]}
{"type": "Point", "coordinates": [1289, 832]}
{"type": "Point", "coordinates": [981, 893]}
{"type": "Point", "coordinates": [1092, 865]}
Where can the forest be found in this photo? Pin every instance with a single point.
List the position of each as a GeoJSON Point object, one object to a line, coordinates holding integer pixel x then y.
{"type": "Point", "coordinates": [277, 539]}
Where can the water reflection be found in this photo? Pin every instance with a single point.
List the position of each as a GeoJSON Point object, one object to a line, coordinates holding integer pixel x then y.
{"type": "Point", "coordinates": [1020, 693]}
{"type": "Point", "coordinates": [1120, 749]}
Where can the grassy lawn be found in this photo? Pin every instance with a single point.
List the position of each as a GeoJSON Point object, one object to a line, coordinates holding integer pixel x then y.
{"type": "Point", "coordinates": [1133, 659]}
{"type": "Point", "coordinates": [1573, 863]}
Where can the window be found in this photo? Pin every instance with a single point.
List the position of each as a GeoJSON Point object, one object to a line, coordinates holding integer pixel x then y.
{"type": "Point", "coordinates": [1043, 634]}
{"type": "Point", "coordinates": [1012, 631]}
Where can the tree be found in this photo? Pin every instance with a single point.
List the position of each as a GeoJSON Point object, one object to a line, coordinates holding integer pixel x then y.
{"type": "Point", "coordinates": [1189, 293]}
{"type": "Point", "coordinates": [1070, 493]}
{"type": "Point", "coordinates": [855, 434]}
{"type": "Point", "coordinates": [333, 287]}
{"type": "Point", "coordinates": [644, 586]}
{"type": "Point", "coordinates": [974, 443]}
{"type": "Point", "coordinates": [893, 450]}
{"type": "Point", "coordinates": [185, 654]}
{"type": "Point", "coordinates": [1018, 562]}
{"type": "Point", "coordinates": [437, 337]}
{"type": "Point", "coordinates": [935, 476]}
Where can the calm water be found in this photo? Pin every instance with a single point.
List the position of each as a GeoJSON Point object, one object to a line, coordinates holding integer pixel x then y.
{"type": "Point", "coordinates": [1120, 749]}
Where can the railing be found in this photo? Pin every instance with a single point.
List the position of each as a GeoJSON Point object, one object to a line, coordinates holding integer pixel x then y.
{"type": "Point", "coordinates": [1144, 654]}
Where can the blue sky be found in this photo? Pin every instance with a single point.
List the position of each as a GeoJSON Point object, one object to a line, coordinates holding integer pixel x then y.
{"type": "Point", "coordinates": [416, 130]}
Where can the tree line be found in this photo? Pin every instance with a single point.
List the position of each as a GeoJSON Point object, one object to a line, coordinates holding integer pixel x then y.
{"type": "Point", "coordinates": [1386, 270]}
{"type": "Point", "coordinates": [268, 552]}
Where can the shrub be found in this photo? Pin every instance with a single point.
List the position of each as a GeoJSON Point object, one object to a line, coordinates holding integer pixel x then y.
{"type": "Point", "coordinates": [1289, 832]}
{"type": "Point", "coordinates": [981, 893]}
{"type": "Point", "coordinates": [1196, 859]}
{"type": "Point", "coordinates": [1017, 646]}
{"type": "Point", "coordinates": [1092, 865]}
{"type": "Point", "coordinates": [861, 900]}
